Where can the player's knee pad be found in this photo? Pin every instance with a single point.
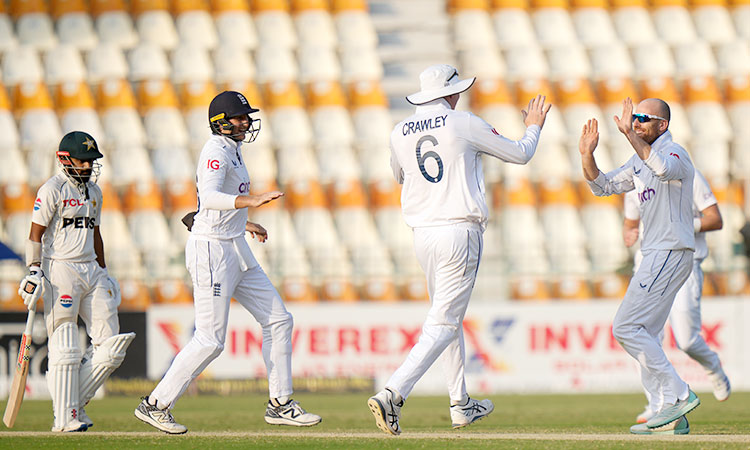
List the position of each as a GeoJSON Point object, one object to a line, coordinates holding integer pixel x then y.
{"type": "Point", "coordinates": [63, 346]}
{"type": "Point", "coordinates": [105, 359]}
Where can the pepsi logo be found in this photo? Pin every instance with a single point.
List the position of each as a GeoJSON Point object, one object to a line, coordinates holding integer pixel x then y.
{"type": "Point", "coordinates": [66, 301]}
{"type": "Point", "coordinates": [37, 204]}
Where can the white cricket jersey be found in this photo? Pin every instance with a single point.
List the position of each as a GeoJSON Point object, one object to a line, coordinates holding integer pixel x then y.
{"type": "Point", "coordinates": [69, 217]}
{"type": "Point", "coordinates": [221, 177]}
{"type": "Point", "coordinates": [664, 187]}
{"type": "Point", "coordinates": [703, 197]}
{"type": "Point", "coordinates": [436, 155]}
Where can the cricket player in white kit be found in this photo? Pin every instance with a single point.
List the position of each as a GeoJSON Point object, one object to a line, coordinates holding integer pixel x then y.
{"type": "Point", "coordinates": [222, 266]}
{"type": "Point", "coordinates": [65, 255]}
{"type": "Point", "coordinates": [685, 317]}
{"type": "Point", "coordinates": [661, 173]}
{"type": "Point", "coordinates": [436, 155]}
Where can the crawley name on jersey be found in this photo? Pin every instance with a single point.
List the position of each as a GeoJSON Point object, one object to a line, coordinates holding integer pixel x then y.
{"type": "Point", "coordinates": [221, 178]}
{"type": "Point", "coordinates": [664, 186]}
{"type": "Point", "coordinates": [436, 154]}
{"type": "Point", "coordinates": [70, 219]}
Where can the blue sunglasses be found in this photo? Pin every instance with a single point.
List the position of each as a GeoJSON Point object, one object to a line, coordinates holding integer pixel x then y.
{"type": "Point", "coordinates": [643, 118]}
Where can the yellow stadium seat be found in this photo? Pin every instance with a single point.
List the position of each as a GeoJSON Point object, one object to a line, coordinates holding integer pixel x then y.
{"type": "Point", "coordinates": [156, 94]}
{"type": "Point", "coordinates": [172, 292]}
{"type": "Point", "coordinates": [380, 289]}
{"type": "Point", "coordinates": [486, 93]}
{"type": "Point", "coordinates": [571, 287]}
{"type": "Point", "coordinates": [139, 7]}
{"type": "Point", "coordinates": [385, 194]}
{"type": "Point", "coordinates": [325, 93]}
{"type": "Point", "coordinates": [558, 192]}
{"type": "Point", "coordinates": [528, 89]}
{"type": "Point", "coordinates": [298, 289]}
{"type": "Point", "coordinates": [19, 8]}
{"type": "Point", "coordinates": [115, 94]}
{"type": "Point", "coordinates": [141, 196]}
{"type": "Point", "coordinates": [528, 287]}
{"type": "Point", "coordinates": [16, 198]}
{"type": "Point", "coordinates": [181, 195]}
{"type": "Point", "coordinates": [339, 290]}
{"type": "Point", "coordinates": [366, 93]}
{"type": "Point", "coordinates": [281, 94]}
{"type": "Point", "coordinates": [99, 7]}
{"type": "Point", "coordinates": [610, 286]}
{"type": "Point", "coordinates": [73, 95]}
{"type": "Point", "coordinates": [338, 6]}
{"type": "Point", "coordinates": [308, 5]}
{"type": "Point", "coordinates": [222, 6]}
{"type": "Point", "coordinates": [509, 4]}
{"type": "Point", "coordinates": [29, 96]}
{"type": "Point", "coordinates": [10, 301]}
{"type": "Point", "coordinates": [415, 289]}
{"type": "Point", "coordinates": [347, 194]}
{"type": "Point", "coordinates": [305, 194]}
{"type": "Point", "coordinates": [135, 296]}
{"type": "Point", "coordinates": [614, 91]}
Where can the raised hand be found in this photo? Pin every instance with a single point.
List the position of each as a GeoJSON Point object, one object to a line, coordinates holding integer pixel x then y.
{"type": "Point", "coordinates": [625, 122]}
{"type": "Point", "coordinates": [536, 112]}
{"type": "Point", "coordinates": [589, 137]}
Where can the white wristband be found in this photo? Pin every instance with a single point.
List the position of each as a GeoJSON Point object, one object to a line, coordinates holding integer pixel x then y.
{"type": "Point", "coordinates": [697, 224]}
{"type": "Point", "coordinates": [33, 253]}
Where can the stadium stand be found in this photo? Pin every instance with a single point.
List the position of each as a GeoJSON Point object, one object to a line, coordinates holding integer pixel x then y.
{"type": "Point", "coordinates": [330, 77]}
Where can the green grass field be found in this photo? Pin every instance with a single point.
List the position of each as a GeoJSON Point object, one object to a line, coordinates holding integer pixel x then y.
{"type": "Point", "coordinates": [519, 421]}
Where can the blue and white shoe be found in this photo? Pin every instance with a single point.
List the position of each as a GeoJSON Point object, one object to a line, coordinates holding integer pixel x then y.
{"type": "Point", "coordinates": [670, 413]}
{"type": "Point", "coordinates": [471, 412]}
{"type": "Point", "coordinates": [679, 426]}
{"type": "Point", "coordinates": [387, 410]}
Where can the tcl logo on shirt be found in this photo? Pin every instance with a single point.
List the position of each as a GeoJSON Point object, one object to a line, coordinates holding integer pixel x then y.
{"type": "Point", "coordinates": [79, 222]}
{"type": "Point", "coordinates": [213, 164]}
{"type": "Point", "coordinates": [73, 202]}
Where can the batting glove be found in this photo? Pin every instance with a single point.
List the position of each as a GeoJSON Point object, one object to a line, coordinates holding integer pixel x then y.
{"type": "Point", "coordinates": [31, 287]}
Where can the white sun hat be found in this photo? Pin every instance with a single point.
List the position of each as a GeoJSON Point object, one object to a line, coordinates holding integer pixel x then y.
{"type": "Point", "coordinates": [438, 81]}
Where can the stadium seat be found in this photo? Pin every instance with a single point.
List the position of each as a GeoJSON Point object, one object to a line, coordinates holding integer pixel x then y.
{"type": "Point", "coordinates": [172, 164]}
{"type": "Point", "coordinates": [127, 164]}
{"type": "Point", "coordinates": [722, 243]}
{"type": "Point", "coordinates": [63, 64]}
{"type": "Point", "coordinates": [472, 28]}
{"type": "Point", "coordinates": [195, 98]}
{"type": "Point", "coordinates": [135, 295]}
{"type": "Point", "coordinates": [77, 110]}
{"type": "Point", "coordinates": [705, 110]}
{"type": "Point", "coordinates": [633, 22]}
{"type": "Point", "coordinates": [290, 125]}
{"type": "Point", "coordinates": [114, 24]}
{"type": "Point", "coordinates": [652, 60]}
{"type": "Point", "coordinates": [106, 62]}
{"type": "Point", "coordinates": [148, 62]}
{"type": "Point", "coordinates": [552, 23]}
{"type": "Point", "coordinates": [121, 120]}
{"type": "Point", "coordinates": [234, 23]}
{"type": "Point", "coordinates": [274, 24]}
{"type": "Point", "coordinates": [360, 64]}
{"type": "Point", "coordinates": [318, 64]}
{"type": "Point", "coordinates": [74, 24]}
{"type": "Point", "coordinates": [154, 23]}
{"type": "Point", "coordinates": [172, 291]}
{"type": "Point", "coordinates": [741, 15]}
{"type": "Point", "coordinates": [9, 138]}
{"type": "Point", "coordinates": [524, 238]}
{"type": "Point", "coordinates": [713, 22]}
{"type": "Point", "coordinates": [611, 61]}
{"type": "Point", "coordinates": [191, 63]}
{"type": "Point", "coordinates": [568, 61]}
{"type": "Point", "coordinates": [194, 23]}
{"type": "Point", "coordinates": [485, 63]}
{"type": "Point", "coordinates": [527, 62]}
{"type": "Point", "coordinates": [593, 23]}
{"type": "Point", "coordinates": [21, 65]}
{"type": "Point", "coordinates": [7, 35]}
{"type": "Point", "coordinates": [354, 28]}
{"type": "Point", "coordinates": [314, 24]}
{"type": "Point", "coordinates": [14, 169]}
{"type": "Point", "coordinates": [694, 60]}
{"type": "Point", "coordinates": [34, 25]}
{"type": "Point", "coordinates": [529, 287]}
{"type": "Point", "coordinates": [673, 21]}
{"type": "Point", "coordinates": [512, 24]}
{"type": "Point", "coordinates": [233, 63]}
{"type": "Point", "coordinates": [733, 59]}
{"type": "Point", "coordinates": [39, 129]}
{"type": "Point", "coordinates": [10, 301]}
{"type": "Point", "coordinates": [160, 110]}
{"type": "Point", "coordinates": [275, 64]}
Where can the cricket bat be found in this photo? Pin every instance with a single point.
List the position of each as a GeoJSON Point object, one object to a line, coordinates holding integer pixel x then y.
{"type": "Point", "coordinates": [18, 388]}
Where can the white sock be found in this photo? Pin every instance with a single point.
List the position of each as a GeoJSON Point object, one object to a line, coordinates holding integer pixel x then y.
{"type": "Point", "coordinates": [462, 402]}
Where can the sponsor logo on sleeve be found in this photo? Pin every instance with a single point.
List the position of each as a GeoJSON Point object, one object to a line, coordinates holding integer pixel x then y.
{"type": "Point", "coordinates": [66, 301]}
{"type": "Point", "coordinates": [213, 164]}
{"type": "Point", "coordinates": [37, 204]}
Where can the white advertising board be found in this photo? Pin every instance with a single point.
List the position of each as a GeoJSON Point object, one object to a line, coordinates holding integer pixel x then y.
{"type": "Point", "coordinates": [510, 347]}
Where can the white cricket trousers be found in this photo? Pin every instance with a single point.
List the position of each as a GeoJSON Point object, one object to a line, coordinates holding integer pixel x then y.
{"type": "Point", "coordinates": [685, 320]}
{"type": "Point", "coordinates": [640, 320]}
{"type": "Point", "coordinates": [449, 256]}
{"type": "Point", "coordinates": [214, 266]}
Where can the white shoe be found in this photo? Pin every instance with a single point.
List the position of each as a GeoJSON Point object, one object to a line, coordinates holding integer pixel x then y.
{"type": "Point", "coordinates": [386, 411]}
{"type": "Point", "coordinates": [645, 415]}
{"type": "Point", "coordinates": [290, 413]}
{"type": "Point", "coordinates": [83, 417]}
{"type": "Point", "coordinates": [722, 388]}
{"type": "Point", "coordinates": [161, 419]}
{"type": "Point", "coordinates": [471, 412]}
{"type": "Point", "coordinates": [73, 426]}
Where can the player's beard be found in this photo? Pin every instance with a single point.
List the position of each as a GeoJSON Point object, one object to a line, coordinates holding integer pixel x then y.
{"type": "Point", "coordinates": [81, 175]}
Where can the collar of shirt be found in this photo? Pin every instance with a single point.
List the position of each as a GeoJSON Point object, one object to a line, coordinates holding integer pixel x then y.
{"type": "Point", "coordinates": [662, 141]}
{"type": "Point", "coordinates": [434, 105]}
